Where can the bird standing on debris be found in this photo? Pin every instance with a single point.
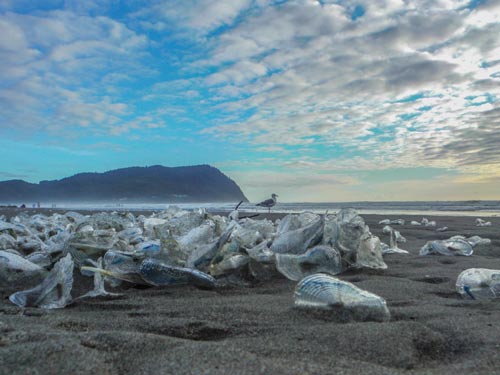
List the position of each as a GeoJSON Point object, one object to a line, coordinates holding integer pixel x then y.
{"type": "Point", "coordinates": [268, 202]}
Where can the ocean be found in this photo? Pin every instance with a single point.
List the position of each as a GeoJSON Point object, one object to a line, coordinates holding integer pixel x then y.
{"type": "Point", "coordinates": [442, 208]}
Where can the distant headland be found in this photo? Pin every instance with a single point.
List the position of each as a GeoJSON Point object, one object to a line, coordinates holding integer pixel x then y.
{"type": "Point", "coordinates": [199, 183]}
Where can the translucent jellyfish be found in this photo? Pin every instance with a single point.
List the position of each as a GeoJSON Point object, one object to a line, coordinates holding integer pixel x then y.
{"type": "Point", "coordinates": [93, 242]}
{"type": "Point", "coordinates": [299, 240]}
{"type": "Point", "coordinates": [369, 253]}
{"type": "Point", "coordinates": [55, 290]}
{"type": "Point", "coordinates": [158, 273]}
{"type": "Point", "coordinates": [347, 301]}
{"type": "Point", "coordinates": [448, 247]}
{"type": "Point", "coordinates": [479, 283]}
{"type": "Point", "coordinates": [482, 223]}
{"type": "Point", "coordinates": [228, 264]}
{"type": "Point", "coordinates": [16, 262]}
{"type": "Point", "coordinates": [99, 290]}
{"type": "Point", "coordinates": [318, 259]}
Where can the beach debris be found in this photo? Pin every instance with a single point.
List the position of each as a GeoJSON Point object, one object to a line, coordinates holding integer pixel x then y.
{"type": "Point", "coordinates": [157, 273]}
{"type": "Point", "coordinates": [442, 229]}
{"type": "Point", "coordinates": [394, 222]}
{"type": "Point", "coordinates": [473, 240]}
{"type": "Point", "coordinates": [482, 223]}
{"type": "Point", "coordinates": [99, 290]}
{"type": "Point", "coordinates": [317, 259]}
{"type": "Point", "coordinates": [369, 253]}
{"type": "Point", "coordinates": [14, 261]}
{"type": "Point", "coordinates": [229, 264]}
{"type": "Point", "coordinates": [358, 247]}
{"type": "Point", "coordinates": [297, 241]}
{"type": "Point", "coordinates": [389, 230]}
{"type": "Point", "coordinates": [393, 247]}
{"type": "Point", "coordinates": [175, 246]}
{"type": "Point", "coordinates": [55, 290]}
{"type": "Point", "coordinates": [478, 241]}
{"type": "Point", "coordinates": [450, 247]}
{"type": "Point", "coordinates": [348, 302]}
{"type": "Point", "coordinates": [479, 283]}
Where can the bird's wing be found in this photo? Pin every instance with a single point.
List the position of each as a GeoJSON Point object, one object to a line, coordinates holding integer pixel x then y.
{"type": "Point", "coordinates": [267, 202]}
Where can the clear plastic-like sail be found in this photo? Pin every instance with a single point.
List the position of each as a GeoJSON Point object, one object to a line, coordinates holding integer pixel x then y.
{"type": "Point", "coordinates": [447, 247]}
{"type": "Point", "coordinates": [318, 259]}
{"type": "Point", "coordinates": [321, 291]}
{"type": "Point", "coordinates": [479, 283]}
{"type": "Point", "coordinates": [158, 273]}
{"type": "Point", "coordinates": [55, 290]}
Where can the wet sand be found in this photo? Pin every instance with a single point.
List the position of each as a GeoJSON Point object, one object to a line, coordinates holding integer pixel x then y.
{"type": "Point", "coordinates": [254, 329]}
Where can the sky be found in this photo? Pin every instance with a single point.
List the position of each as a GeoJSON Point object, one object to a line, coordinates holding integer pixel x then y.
{"type": "Point", "coordinates": [369, 100]}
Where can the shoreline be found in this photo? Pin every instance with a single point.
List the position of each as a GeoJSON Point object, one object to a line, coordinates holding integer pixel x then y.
{"type": "Point", "coordinates": [9, 211]}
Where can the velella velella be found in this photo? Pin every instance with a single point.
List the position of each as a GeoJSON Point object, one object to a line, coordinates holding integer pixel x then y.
{"type": "Point", "coordinates": [369, 254]}
{"type": "Point", "coordinates": [318, 259]}
{"type": "Point", "coordinates": [479, 283]}
{"type": "Point", "coordinates": [448, 247]}
{"type": "Point", "coordinates": [297, 241]}
{"type": "Point", "coordinates": [393, 247]}
{"type": "Point", "coordinates": [16, 262]}
{"type": "Point", "coordinates": [347, 301]}
{"type": "Point", "coordinates": [99, 289]}
{"type": "Point", "coordinates": [229, 264]}
{"type": "Point", "coordinates": [55, 290]}
{"type": "Point", "coordinates": [158, 273]}
{"type": "Point", "coordinates": [358, 247]}
{"type": "Point", "coordinates": [175, 247]}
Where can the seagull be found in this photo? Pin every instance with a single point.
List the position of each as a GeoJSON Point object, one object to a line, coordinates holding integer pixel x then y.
{"type": "Point", "coordinates": [268, 202]}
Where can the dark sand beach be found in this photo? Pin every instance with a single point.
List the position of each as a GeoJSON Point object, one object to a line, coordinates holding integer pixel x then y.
{"type": "Point", "coordinates": [254, 329]}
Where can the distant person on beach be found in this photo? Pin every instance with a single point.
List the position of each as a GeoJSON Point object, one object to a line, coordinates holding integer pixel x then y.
{"type": "Point", "coordinates": [22, 206]}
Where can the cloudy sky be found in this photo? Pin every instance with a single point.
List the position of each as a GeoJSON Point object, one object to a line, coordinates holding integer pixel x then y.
{"type": "Point", "coordinates": [313, 100]}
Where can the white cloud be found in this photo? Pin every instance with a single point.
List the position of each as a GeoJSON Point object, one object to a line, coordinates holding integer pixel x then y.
{"type": "Point", "coordinates": [325, 79]}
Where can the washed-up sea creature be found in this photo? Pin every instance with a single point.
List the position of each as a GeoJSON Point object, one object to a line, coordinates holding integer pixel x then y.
{"type": "Point", "coordinates": [93, 242]}
{"type": "Point", "coordinates": [478, 241]}
{"type": "Point", "coordinates": [17, 262]}
{"type": "Point", "coordinates": [369, 253]}
{"type": "Point", "coordinates": [55, 290]}
{"type": "Point", "coordinates": [228, 264]}
{"type": "Point", "coordinates": [99, 290]}
{"type": "Point", "coordinates": [347, 301]}
{"type": "Point", "coordinates": [358, 247]}
{"type": "Point", "coordinates": [158, 273]}
{"type": "Point", "coordinates": [394, 222]}
{"type": "Point", "coordinates": [393, 247]}
{"type": "Point", "coordinates": [479, 283]}
{"type": "Point", "coordinates": [389, 230]}
{"type": "Point", "coordinates": [447, 247]}
{"type": "Point", "coordinates": [299, 240]}
{"type": "Point", "coordinates": [261, 253]}
{"type": "Point", "coordinates": [318, 259]}
{"type": "Point", "coordinates": [482, 223]}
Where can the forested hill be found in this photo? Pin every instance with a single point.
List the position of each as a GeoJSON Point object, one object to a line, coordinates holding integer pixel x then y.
{"type": "Point", "coordinates": [200, 183]}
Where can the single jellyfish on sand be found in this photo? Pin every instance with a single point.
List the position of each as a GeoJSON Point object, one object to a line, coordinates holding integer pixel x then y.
{"type": "Point", "coordinates": [479, 283]}
{"type": "Point", "coordinates": [269, 202]}
{"type": "Point", "coordinates": [348, 302]}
